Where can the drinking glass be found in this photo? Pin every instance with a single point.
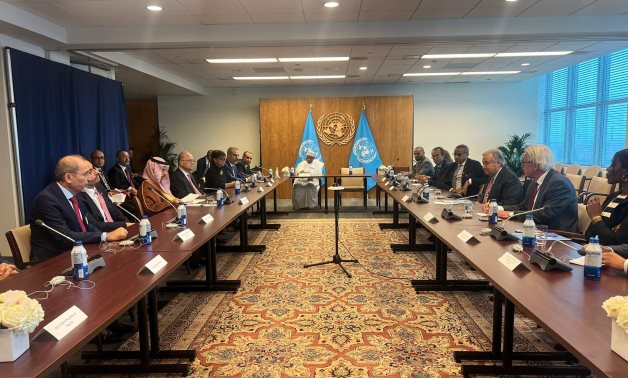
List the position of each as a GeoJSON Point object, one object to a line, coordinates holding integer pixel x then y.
{"type": "Point", "coordinates": [541, 236]}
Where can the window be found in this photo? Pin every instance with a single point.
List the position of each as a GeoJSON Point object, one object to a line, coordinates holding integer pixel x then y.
{"type": "Point", "coordinates": [583, 110]}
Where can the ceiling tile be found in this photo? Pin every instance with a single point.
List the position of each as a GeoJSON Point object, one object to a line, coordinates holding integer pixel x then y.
{"type": "Point", "coordinates": [213, 7]}
{"type": "Point", "coordinates": [272, 18]}
{"type": "Point", "coordinates": [546, 8]}
{"type": "Point", "coordinates": [346, 6]}
{"type": "Point", "coordinates": [222, 19]}
{"type": "Point", "coordinates": [275, 6]}
{"type": "Point", "coordinates": [331, 17]}
{"type": "Point", "coordinates": [440, 13]}
{"type": "Point", "coordinates": [388, 5]}
{"type": "Point", "coordinates": [604, 7]}
{"type": "Point", "coordinates": [385, 15]}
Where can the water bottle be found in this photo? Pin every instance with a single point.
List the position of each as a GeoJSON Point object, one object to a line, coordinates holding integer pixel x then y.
{"type": "Point", "coordinates": [145, 231]}
{"type": "Point", "coordinates": [426, 193]}
{"type": "Point", "coordinates": [277, 172]}
{"type": "Point", "coordinates": [80, 271]}
{"type": "Point", "coordinates": [237, 187]}
{"type": "Point", "coordinates": [219, 200]}
{"type": "Point", "coordinates": [593, 259]}
{"type": "Point", "coordinates": [253, 180]}
{"type": "Point", "coordinates": [350, 170]}
{"type": "Point", "coordinates": [493, 209]}
{"type": "Point", "coordinates": [270, 172]}
{"type": "Point", "coordinates": [182, 215]}
{"type": "Point", "coordinates": [291, 171]}
{"type": "Point", "coordinates": [529, 232]}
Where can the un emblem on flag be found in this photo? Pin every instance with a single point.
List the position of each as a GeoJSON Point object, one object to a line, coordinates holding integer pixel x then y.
{"type": "Point", "coordinates": [335, 128]}
{"type": "Point", "coordinates": [364, 150]}
{"type": "Point", "coordinates": [309, 145]}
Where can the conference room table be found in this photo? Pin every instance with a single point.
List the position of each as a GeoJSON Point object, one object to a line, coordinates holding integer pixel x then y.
{"type": "Point", "coordinates": [563, 303]}
{"type": "Point", "coordinates": [335, 177]}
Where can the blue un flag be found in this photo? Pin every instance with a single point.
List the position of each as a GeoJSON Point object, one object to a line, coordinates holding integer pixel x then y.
{"type": "Point", "coordinates": [364, 152]}
{"type": "Point", "coordinates": [309, 141]}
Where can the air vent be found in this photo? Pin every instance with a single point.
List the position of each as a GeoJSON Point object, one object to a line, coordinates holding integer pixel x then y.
{"type": "Point", "coordinates": [358, 58]}
{"type": "Point", "coordinates": [269, 70]}
{"type": "Point", "coordinates": [460, 66]}
{"type": "Point", "coordinates": [394, 75]}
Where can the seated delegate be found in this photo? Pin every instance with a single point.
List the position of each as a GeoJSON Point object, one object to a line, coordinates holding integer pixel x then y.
{"type": "Point", "coordinates": [154, 192]}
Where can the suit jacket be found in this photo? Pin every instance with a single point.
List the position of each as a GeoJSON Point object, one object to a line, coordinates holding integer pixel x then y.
{"type": "Point", "coordinates": [423, 168]}
{"type": "Point", "coordinates": [179, 184]}
{"type": "Point", "coordinates": [117, 178]}
{"type": "Point", "coordinates": [94, 213]}
{"type": "Point", "coordinates": [559, 195]}
{"type": "Point", "coordinates": [55, 210]}
{"type": "Point", "coordinates": [245, 170]}
{"type": "Point", "coordinates": [232, 173]}
{"type": "Point", "coordinates": [438, 179]}
{"type": "Point", "coordinates": [506, 190]}
{"type": "Point", "coordinates": [613, 230]}
{"type": "Point", "coordinates": [201, 166]}
{"type": "Point", "coordinates": [472, 170]}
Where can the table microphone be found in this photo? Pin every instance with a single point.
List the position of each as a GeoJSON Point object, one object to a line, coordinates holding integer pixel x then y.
{"type": "Point", "coordinates": [500, 233]}
{"type": "Point", "coordinates": [39, 222]}
{"type": "Point", "coordinates": [448, 214]}
{"type": "Point", "coordinates": [169, 224]}
{"type": "Point", "coordinates": [227, 199]}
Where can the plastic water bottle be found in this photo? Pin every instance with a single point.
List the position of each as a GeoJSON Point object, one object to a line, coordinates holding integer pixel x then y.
{"type": "Point", "coordinates": [219, 199]}
{"type": "Point", "coordinates": [291, 171]}
{"type": "Point", "coordinates": [593, 259]}
{"type": "Point", "coordinates": [493, 209]}
{"type": "Point", "coordinates": [426, 193]}
{"type": "Point", "coordinates": [80, 271]}
{"type": "Point", "coordinates": [529, 232]}
{"type": "Point", "coordinates": [237, 187]}
{"type": "Point", "coordinates": [350, 170]}
{"type": "Point", "coordinates": [253, 180]}
{"type": "Point", "coordinates": [182, 215]}
{"type": "Point", "coordinates": [145, 231]}
{"type": "Point", "coordinates": [270, 172]}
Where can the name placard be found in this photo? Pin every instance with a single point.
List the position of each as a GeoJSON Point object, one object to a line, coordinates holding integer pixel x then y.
{"type": "Point", "coordinates": [260, 189]}
{"type": "Point", "coordinates": [429, 217]}
{"type": "Point", "coordinates": [206, 219]}
{"type": "Point", "coordinates": [243, 201]}
{"type": "Point", "coordinates": [65, 322]}
{"type": "Point", "coordinates": [269, 184]}
{"type": "Point", "coordinates": [510, 261]}
{"type": "Point", "coordinates": [184, 235]}
{"type": "Point", "coordinates": [384, 179]}
{"type": "Point", "coordinates": [467, 237]}
{"type": "Point", "coordinates": [406, 198]}
{"type": "Point", "coordinates": [154, 265]}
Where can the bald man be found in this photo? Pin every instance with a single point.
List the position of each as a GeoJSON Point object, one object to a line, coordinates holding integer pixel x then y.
{"type": "Point", "coordinates": [182, 182]}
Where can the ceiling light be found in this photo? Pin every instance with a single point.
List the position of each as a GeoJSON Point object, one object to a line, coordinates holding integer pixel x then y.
{"type": "Point", "coordinates": [243, 60]}
{"type": "Point", "coordinates": [533, 53]}
{"type": "Point", "coordinates": [490, 72]}
{"type": "Point", "coordinates": [456, 56]}
{"type": "Point", "coordinates": [510, 1]}
{"type": "Point", "coordinates": [331, 4]}
{"type": "Point", "coordinates": [428, 66]}
{"type": "Point", "coordinates": [432, 74]}
{"type": "Point", "coordinates": [315, 59]}
{"type": "Point", "coordinates": [261, 78]}
{"type": "Point", "coordinates": [317, 77]}
{"type": "Point", "coordinates": [525, 64]}
{"type": "Point", "coordinates": [363, 68]}
{"type": "Point", "coordinates": [154, 8]}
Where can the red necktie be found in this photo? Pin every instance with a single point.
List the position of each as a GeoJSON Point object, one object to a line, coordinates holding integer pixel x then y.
{"type": "Point", "coordinates": [128, 177]}
{"type": "Point", "coordinates": [77, 212]}
{"type": "Point", "coordinates": [533, 191]}
{"type": "Point", "coordinates": [488, 189]}
{"type": "Point", "coordinates": [103, 206]}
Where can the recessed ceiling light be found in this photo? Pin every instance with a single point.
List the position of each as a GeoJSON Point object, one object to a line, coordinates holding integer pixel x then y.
{"type": "Point", "coordinates": [510, 1]}
{"type": "Point", "coordinates": [525, 64]}
{"type": "Point", "coordinates": [533, 53]}
{"type": "Point", "coordinates": [315, 59]}
{"type": "Point", "coordinates": [261, 78]}
{"type": "Point", "coordinates": [432, 74]}
{"type": "Point", "coordinates": [427, 66]}
{"type": "Point", "coordinates": [243, 60]}
{"type": "Point", "coordinates": [490, 73]}
{"type": "Point", "coordinates": [456, 56]}
{"type": "Point", "coordinates": [363, 68]}
{"type": "Point", "coordinates": [317, 77]}
{"type": "Point", "coordinates": [154, 8]}
{"type": "Point", "coordinates": [331, 4]}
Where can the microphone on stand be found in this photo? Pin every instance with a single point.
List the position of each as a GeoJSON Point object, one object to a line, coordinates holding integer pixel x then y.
{"type": "Point", "coordinates": [39, 222]}
{"type": "Point", "coordinates": [448, 214]}
{"type": "Point", "coordinates": [227, 199]}
{"type": "Point", "coordinates": [500, 233]}
{"type": "Point", "coordinates": [169, 223]}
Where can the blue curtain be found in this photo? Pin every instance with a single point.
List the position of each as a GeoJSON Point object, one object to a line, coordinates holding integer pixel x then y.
{"type": "Point", "coordinates": [60, 111]}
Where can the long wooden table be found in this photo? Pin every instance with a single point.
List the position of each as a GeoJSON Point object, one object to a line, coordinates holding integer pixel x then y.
{"type": "Point", "coordinates": [563, 303]}
{"type": "Point", "coordinates": [334, 177]}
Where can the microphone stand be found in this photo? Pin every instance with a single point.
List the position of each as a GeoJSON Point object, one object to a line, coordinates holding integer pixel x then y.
{"type": "Point", "coordinates": [336, 258]}
{"type": "Point", "coordinates": [500, 233]}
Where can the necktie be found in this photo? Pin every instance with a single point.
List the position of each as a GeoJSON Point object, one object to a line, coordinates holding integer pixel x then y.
{"type": "Point", "coordinates": [489, 186]}
{"type": "Point", "coordinates": [128, 177]}
{"type": "Point", "coordinates": [192, 183]}
{"type": "Point", "coordinates": [103, 179]}
{"type": "Point", "coordinates": [103, 206]}
{"type": "Point", "coordinates": [77, 212]}
{"type": "Point", "coordinates": [533, 190]}
{"type": "Point", "coordinates": [458, 177]}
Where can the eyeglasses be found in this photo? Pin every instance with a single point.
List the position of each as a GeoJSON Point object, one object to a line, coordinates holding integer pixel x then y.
{"type": "Point", "coordinates": [487, 162]}
{"type": "Point", "coordinates": [84, 174]}
{"type": "Point", "coordinates": [189, 160]}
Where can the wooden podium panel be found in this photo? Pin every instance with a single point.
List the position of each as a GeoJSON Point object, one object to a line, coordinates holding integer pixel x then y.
{"type": "Point", "coordinates": [282, 121]}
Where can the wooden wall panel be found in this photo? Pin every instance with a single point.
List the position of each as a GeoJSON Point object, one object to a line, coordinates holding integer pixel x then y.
{"type": "Point", "coordinates": [282, 122]}
{"type": "Point", "coordinates": [143, 118]}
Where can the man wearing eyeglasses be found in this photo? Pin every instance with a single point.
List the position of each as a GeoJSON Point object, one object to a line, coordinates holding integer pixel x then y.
{"type": "Point", "coordinates": [503, 185]}
{"type": "Point", "coordinates": [182, 182]}
{"type": "Point", "coordinates": [59, 207]}
{"type": "Point", "coordinates": [465, 176]}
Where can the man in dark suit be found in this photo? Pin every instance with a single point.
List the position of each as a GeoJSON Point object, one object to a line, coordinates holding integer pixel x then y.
{"type": "Point", "coordinates": [182, 182]}
{"type": "Point", "coordinates": [464, 176]}
{"type": "Point", "coordinates": [244, 165]}
{"type": "Point", "coordinates": [99, 206]}
{"type": "Point", "coordinates": [58, 207]}
{"type": "Point", "coordinates": [503, 186]}
{"type": "Point", "coordinates": [547, 188]}
{"type": "Point", "coordinates": [120, 175]}
{"type": "Point", "coordinates": [97, 158]}
{"type": "Point", "coordinates": [442, 160]}
{"type": "Point", "coordinates": [202, 165]}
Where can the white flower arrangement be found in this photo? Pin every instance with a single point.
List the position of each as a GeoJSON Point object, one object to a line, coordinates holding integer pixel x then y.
{"type": "Point", "coordinates": [285, 170]}
{"type": "Point", "coordinates": [617, 308]}
{"type": "Point", "coordinates": [19, 313]}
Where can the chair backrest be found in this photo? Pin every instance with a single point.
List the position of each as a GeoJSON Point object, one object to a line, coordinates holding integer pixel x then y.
{"type": "Point", "coordinates": [600, 185]}
{"type": "Point", "coordinates": [577, 182]}
{"type": "Point", "coordinates": [583, 218]}
{"type": "Point", "coordinates": [352, 181]}
{"type": "Point", "coordinates": [559, 167]}
{"type": "Point", "coordinates": [573, 169]}
{"type": "Point", "coordinates": [592, 171]}
{"type": "Point", "coordinates": [19, 240]}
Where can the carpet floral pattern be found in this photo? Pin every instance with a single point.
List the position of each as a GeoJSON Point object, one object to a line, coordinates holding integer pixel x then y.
{"type": "Point", "coordinates": [288, 321]}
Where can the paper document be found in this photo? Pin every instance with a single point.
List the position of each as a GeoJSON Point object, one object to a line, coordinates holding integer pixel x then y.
{"type": "Point", "coordinates": [189, 198]}
{"type": "Point", "coordinates": [118, 198]}
{"type": "Point", "coordinates": [550, 236]}
{"type": "Point", "coordinates": [578, 261]}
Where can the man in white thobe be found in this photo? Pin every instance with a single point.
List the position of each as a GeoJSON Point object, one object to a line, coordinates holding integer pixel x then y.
{"type": "Point", "coordinates": [305, 190]}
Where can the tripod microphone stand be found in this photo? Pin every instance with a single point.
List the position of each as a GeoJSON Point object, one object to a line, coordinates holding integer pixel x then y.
{"type": "Point", "coordinates": [336, 258]}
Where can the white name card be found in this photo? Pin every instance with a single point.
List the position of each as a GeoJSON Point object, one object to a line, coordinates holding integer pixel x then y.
{"type": "Point", "coordinates": [65, 322]}
{"type": "Point", "coordinates": [429, 217]}
{"type": "Point", "coordinates": [184, 235]}
{"type": "Point", "coordinates": [155, 264]}
{"type": "Point", "coordinates": [388, 183]}
{"type": "Point", "coordinates": [272, 181]}
{"type": "Point", "coordinates": [243, 201]}
{"type": "Point", "coordinates": [260, 190]}
{"type": "Point", "coordinates": [384, 179]}
{"type": "Point", "coordinates": [406, 198]}
{"type": "Point", "coordinates": [467, 237]}
{"type": "Point", "coordinates": [510, 261]}
{"type": "Point", "coordinates": [393, 188]}
{"type": "Point", "coordinates": [206, 219]}
{"type": "Point", "coordinates": [269, 184]}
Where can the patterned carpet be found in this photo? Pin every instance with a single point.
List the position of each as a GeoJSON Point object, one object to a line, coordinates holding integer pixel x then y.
{"type": "Point", "coordinates": [287, 321]}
